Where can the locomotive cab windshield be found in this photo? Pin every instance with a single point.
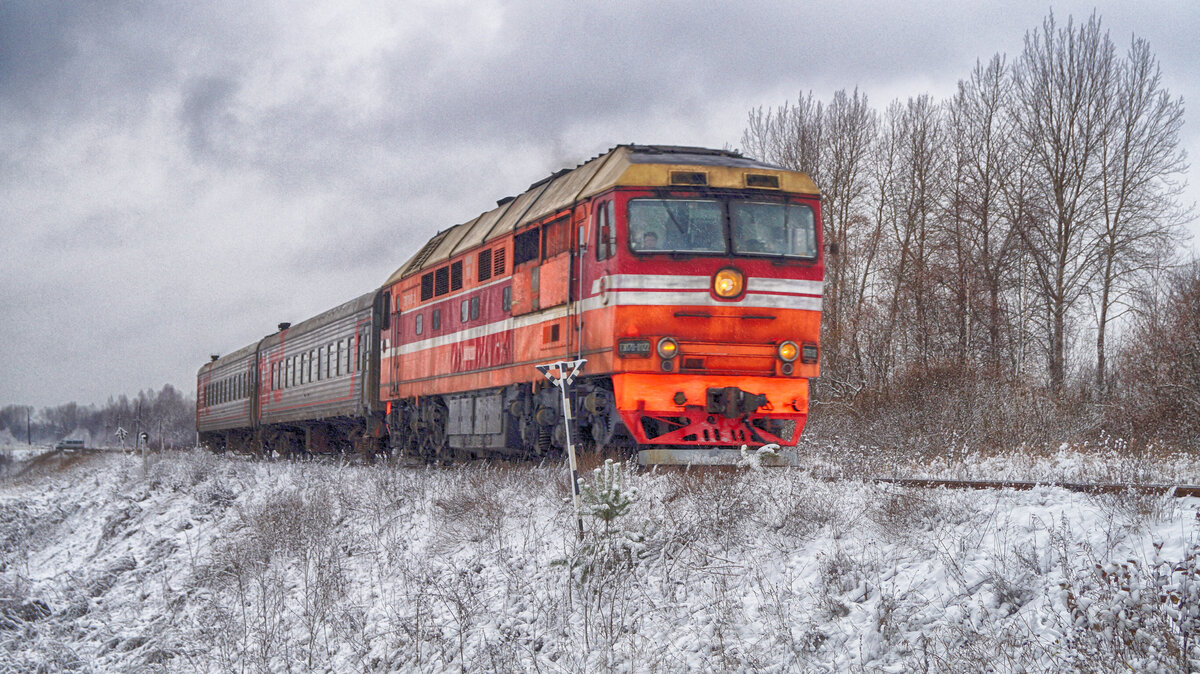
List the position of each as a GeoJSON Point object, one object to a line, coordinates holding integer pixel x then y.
{"type": "Point", "coordinates": [718, 226]}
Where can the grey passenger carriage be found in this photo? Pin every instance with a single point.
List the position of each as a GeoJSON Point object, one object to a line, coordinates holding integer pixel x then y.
{"type": "Point", "coordinates": [309, 387]}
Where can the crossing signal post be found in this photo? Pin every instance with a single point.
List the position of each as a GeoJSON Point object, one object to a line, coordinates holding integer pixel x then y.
{"type": "Point", "coordinates": [562, 374]}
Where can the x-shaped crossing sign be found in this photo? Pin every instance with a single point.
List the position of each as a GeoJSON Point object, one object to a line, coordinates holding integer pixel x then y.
{"type": "Point", "coordinates": [557, 373]}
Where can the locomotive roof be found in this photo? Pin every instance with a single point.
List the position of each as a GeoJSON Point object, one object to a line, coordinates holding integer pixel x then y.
{"type": "Point", "coordinates": [648, 165]}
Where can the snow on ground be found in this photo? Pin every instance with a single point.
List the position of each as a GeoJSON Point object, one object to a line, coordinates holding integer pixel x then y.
{"type": "Point", "coordinates": [191, 562]}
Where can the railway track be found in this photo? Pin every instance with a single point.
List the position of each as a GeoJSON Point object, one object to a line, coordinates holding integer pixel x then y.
{"type": "Point", "coordinates": [1177, 490]}
{"type": "Point", "coordinates": [56, 457]}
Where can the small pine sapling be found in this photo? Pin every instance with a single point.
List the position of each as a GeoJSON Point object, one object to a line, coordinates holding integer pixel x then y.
{"type": "Point", "coordinates": [608, 497]}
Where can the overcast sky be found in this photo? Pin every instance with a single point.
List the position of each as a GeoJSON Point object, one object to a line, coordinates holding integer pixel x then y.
{"type": "Point", "coordinates": [177, 178]}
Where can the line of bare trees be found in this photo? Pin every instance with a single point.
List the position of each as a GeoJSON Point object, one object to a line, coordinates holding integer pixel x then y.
{"type": "Point", "coordinates": [167, 416]}
{"type": "Point", "coordinates": [1006, 232]}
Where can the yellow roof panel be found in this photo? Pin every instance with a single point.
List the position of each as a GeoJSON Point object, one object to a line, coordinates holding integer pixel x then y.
{"type": "Point", "coordinates": [624, 165]}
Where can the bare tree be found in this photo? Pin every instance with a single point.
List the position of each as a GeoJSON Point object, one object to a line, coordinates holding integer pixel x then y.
{"type": "Point", "coordinates": [1063, 85]}
{"type": "Point", "coordinates": [1141, 163]}
{"type": "Point", "coordinates": [1161, 363]}
{"type": "Point", "coordinates": [790, 135]}
{"type": "Point", "coordinates": [981, 130]}
{"type": "Point", "coordinates": [830, 144]}
{"type": "Point", "coordinates": [850, 129]}
{"type": "Point", "coordinates": [915, 132]}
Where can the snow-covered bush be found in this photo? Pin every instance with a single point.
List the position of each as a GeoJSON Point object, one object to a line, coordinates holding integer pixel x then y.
{"type": "Point", "coordinates": [1127, 616]}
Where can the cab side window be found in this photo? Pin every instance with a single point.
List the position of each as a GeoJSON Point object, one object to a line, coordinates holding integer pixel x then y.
{"type": "Point", "coordinates": [606, 234]}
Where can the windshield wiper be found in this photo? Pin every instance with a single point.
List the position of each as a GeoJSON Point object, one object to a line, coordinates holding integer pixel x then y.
{"type": "Point", "coordinates": [671, 215]}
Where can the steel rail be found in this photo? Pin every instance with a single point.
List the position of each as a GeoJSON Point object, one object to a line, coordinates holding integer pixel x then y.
{"type": "Point", "coordinates": [1177, 490]}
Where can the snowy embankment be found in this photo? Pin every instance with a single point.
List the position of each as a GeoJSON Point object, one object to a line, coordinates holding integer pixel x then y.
{"type": "Point", "coordinates": [190, 562]}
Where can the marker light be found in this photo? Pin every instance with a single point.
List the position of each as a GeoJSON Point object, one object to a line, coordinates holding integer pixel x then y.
{"type": "Point", "coordinates": [668, 347]}
{"type": "Point", "coordinates": [788, 351]}
{"type": "Point", "coordinates": [728, 283]}
{"type": "Point", "coordinates": [810, 353]}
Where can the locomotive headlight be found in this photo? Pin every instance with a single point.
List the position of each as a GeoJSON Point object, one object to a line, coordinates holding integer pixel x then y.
{"type": "Point", "coordinates": [668, 348]}
{"type": "Point", "coordinates": [728, 283]}
{"type": "Point", "coordinates": [788, 351]}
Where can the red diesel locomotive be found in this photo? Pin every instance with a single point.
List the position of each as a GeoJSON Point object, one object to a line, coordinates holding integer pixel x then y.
{"type": "Point", "coordinates": [690, 279]}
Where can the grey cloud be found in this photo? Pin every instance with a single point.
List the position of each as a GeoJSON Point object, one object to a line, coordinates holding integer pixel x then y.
{"type": "Point", "coordinates": [219, 167]}
{"type": "Point", "coordinates": [205, 113]}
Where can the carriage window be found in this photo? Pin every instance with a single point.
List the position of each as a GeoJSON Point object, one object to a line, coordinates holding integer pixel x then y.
{"type": "Point", "coordinates": [676, 226]}
{"type": "Point", "coordinates": [475, 308]}
{"type": "Point", "coordinates": [506, 302]}
{"type": "Point", "coordinates": [435, 322]}
{"type": "Point", "coordinates": [773, 228]}
{"type": "Point", "coordinates": [420, 324]}
{"type": "Point", "coordinates": [464, 311]}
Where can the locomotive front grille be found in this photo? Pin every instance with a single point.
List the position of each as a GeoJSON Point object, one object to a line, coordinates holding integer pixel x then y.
{"type": "Point", "coordinates": [714, 358]}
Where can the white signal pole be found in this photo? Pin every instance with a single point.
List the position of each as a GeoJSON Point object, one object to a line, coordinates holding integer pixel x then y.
{"type": "Point", "coordinates": [561, 374]}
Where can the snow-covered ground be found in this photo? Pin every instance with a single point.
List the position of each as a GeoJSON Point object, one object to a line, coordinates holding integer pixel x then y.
{"type": "Point", "coordinates": [189, 562]}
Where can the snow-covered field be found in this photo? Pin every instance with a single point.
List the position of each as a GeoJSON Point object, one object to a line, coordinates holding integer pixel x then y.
{"type": "Point", "coordinates": [189, 562]}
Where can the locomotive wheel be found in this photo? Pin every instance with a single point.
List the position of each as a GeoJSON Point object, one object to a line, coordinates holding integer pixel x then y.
{"type": "Point", "coordinates": [604, 427]}
{"type": "Point", "coordinates": [604, 418]}
{"type": "Point", "coordinates": [433, 440]}
{"type": "Point", "coordinates": [529, 433]}
{"type": "Point", "coordinates": [411, 443]}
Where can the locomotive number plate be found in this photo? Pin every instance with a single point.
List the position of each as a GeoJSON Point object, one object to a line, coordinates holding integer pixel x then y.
{"type": "Point", "coordinates": [633, 348]}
